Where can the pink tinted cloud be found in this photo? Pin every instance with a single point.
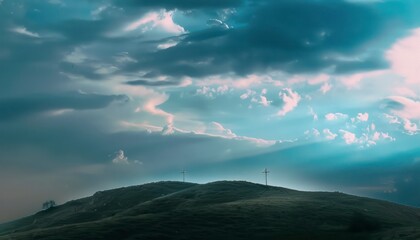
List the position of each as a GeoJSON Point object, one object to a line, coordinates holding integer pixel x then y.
{"type": "Point", "coordinates": [348, 137]}
{"type": "Point", "coordinates": [404, 57]}
{"type": "Point", "coordinates": [162, 19]}
{"type": "Point", "coordinates": [410, 109]}
{"type": "Point", "coordinates": [326, 87]}
{"type": "Point", "coordinates": [335, 116]}
{"type": "Point", "coordinates": [363, 117]}
{"type": "Point", "coordinates": [353, 81]}
{"type": "Point", "coordinates": [290, 99]}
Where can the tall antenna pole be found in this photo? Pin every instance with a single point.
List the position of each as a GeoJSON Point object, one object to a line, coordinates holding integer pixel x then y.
{"type": "Point", "coordinates": [266, 173]}
{"type": "Point", "coordinates": [183, 174]}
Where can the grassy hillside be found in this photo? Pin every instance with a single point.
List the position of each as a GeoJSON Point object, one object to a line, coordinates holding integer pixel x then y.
{"type": "Point", "coordinates": [219, 210]}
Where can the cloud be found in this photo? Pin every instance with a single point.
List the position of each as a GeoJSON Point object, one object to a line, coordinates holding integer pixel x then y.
{"type": "Point", "coordinates": [366, 139]}
{"type": "Point", "coordinates": [313, 113]}
{"type": "Point", "coordinates": [363, 117]}
{"type": "Point", "coordinates": [326, 87]}
{"type": "Point", "coordinates": [162, 20]}
{"type": "Point", "coordinates": [353, 80]}
{"type": "Point", "coordinates": [348, 137]}
{"type": "Point", "coordinates": [168, 129]}
{"type": "Point", "coordinates": [328, 134]}
{"type": "Point", "coordinates": [120, 158]}
{"type": "Point", "coordinates": [218, 130]}
{"type": "Point", "coordinates": [245, 47]}
{"type": "Point", "coordinates": [392, 119]}
{"type": "Point", "coordinates": [335, 116]}
{"type": "Point", "coordinates": [19, 107]}
{"type": "Point", "coordinates": [217, 23]}
{"type": "Point", "coordinates": [403, 107]}
{"type": "Point", "coordinates": [410, 127]}
{"type": "Point", "coordinates": [322, 78]}
{"type": "Point", "coordinates": [77, 56]}
{"type": "Point", "coordinates": [381, 135]}
{"type": "Point", "coordinates": [24, 31]}
{"type": "Point", "coordinates": [211, 92]}
{"type": "Point", "coordinates": [263, 101]}
{"type": "Point", "coordinates": [157, 83]}
{"type": "Point", "coordinates": [247, 81]}
{"type": "Point", "coordinates": [405, 92]}
{"type": "Point", "coordinates": [77, 31]}
{"type": "Point", "coordinates": [247, 94]}
{"type": "Point", "coordinates": [403, 56]}
{"type": "Point", "coordinates": [124, 57]}
{"type": "Point", "coordinates": [179, 4]}
{"type": "Point", "coordinates": [290, 101]}
{"type": "Point", "coordinates": [312, 133]}
{"type": "Point", "coordinates": [151, 106]}
{"type": "Point", "coordinates": [167, 44]}
{"type": "Point", "coordinates": [286, 42]}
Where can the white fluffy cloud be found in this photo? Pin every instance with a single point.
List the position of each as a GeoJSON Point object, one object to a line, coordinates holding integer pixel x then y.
{"type": "Point", "coordinates": [366, 139]}
{"type": "Point", "coordinates": [211, 92]}
{"type": "Point", "coordinates": [380, 135]}
{"type": "Point", "coordinates": [335, 116]}
{"type": "Point", "coordinates": [218, 130]}
{"type": "Point", "coordinates": [120, 158]}
{"type": "Point", "coordinates": [290, 99]}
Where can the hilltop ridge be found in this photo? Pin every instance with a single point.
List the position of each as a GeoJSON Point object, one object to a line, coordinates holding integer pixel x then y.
{"type": "Point", "coordinates": [223, 209]}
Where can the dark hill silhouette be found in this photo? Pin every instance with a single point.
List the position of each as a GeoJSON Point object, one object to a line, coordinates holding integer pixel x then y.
{"type": "Point", "coordinates": [218, 210]}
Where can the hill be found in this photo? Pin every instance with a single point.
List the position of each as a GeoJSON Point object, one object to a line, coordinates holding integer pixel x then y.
{"type": "Point", "coordinates": [219, 210]}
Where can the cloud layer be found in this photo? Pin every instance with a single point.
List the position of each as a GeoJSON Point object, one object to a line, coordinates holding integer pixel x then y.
{"type": "Point", "coordinates": [99, 94]}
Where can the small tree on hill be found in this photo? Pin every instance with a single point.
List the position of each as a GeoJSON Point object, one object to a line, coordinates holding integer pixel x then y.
{"type": "Point", "coordinates": [48, 204]}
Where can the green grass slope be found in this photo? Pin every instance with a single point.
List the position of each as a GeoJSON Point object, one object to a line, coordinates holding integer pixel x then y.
{"type": "Point", "coordinates": [219, 210]}
{"type": "Point", "coordinates": [101, 205]}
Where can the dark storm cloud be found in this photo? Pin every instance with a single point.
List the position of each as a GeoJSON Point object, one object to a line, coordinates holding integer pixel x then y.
{"type": "Point", "coordinates": [17, 107]}
{"type": "Point", "coordinates": [143, 82]}
{"type": "Point", "coordinates": [83, 31]}
{"type": "Point", "coordinates": [293, 36]}
{"type": "Point", "coordinates": [179, 4]}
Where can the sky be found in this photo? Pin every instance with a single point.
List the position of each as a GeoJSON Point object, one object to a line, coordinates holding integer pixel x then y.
{"type": "Point", "coordinates": [102, 94]}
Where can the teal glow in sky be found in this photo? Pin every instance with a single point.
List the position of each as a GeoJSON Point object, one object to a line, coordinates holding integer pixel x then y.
{"type": "Point", "coordinates": [107, 93]}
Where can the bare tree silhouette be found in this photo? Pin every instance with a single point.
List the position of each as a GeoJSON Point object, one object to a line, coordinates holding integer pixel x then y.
{"type": "Point", "coordinates": [48, 204]}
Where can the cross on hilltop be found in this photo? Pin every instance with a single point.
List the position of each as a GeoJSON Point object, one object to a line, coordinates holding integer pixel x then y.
{"type": "Point", "coordinates": [183, 174]}
{"type": "Point", "coordinates": [266, 172]}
